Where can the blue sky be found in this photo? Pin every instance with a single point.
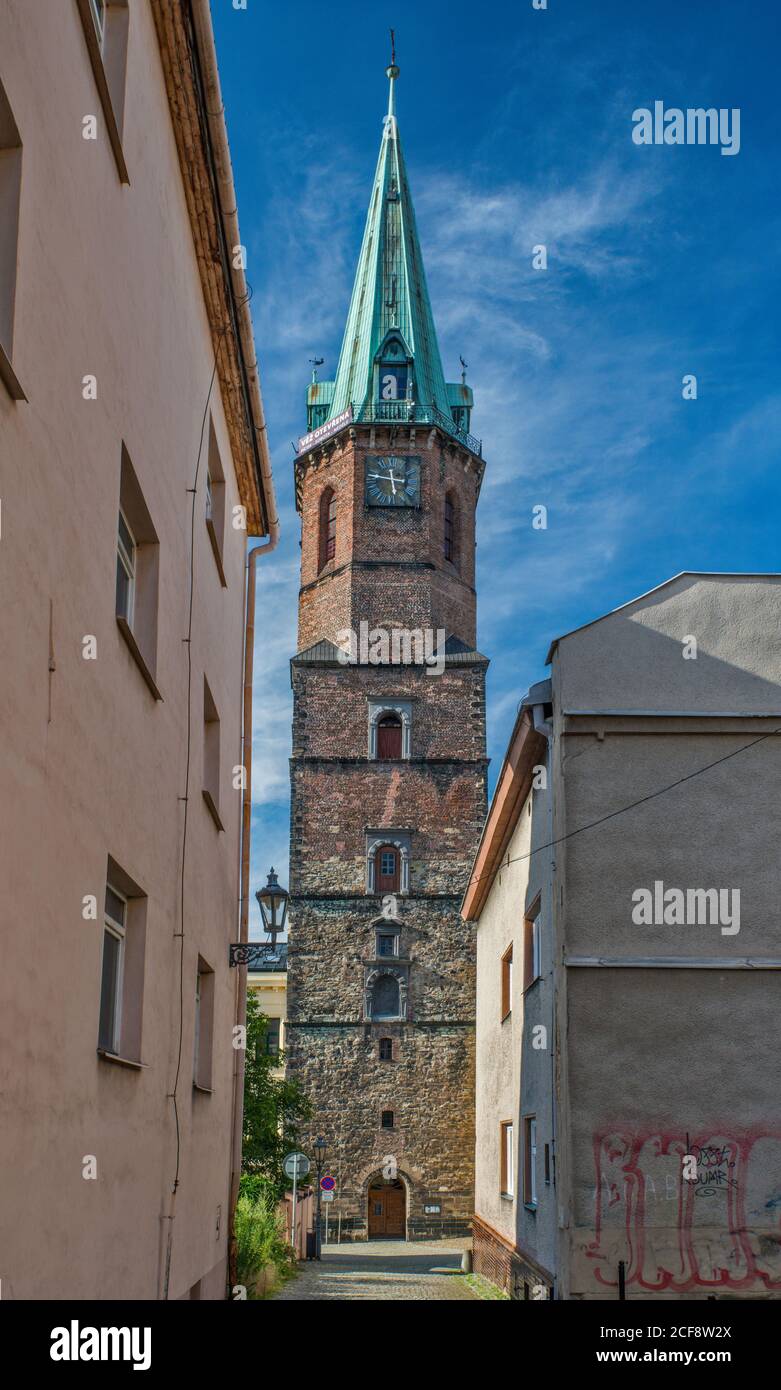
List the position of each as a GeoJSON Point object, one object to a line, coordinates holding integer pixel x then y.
{"type": "Point", "coordinates": [662, 261]}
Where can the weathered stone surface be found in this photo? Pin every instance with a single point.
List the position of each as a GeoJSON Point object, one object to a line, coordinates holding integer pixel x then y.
{"type": "Point", "coordinates": [434, 801]}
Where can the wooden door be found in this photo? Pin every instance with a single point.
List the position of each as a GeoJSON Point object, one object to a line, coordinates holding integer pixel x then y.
{"type": "Point", "coordinates": [389, 738]}
{"type": "Point", "coordinates": [386, 869]}
{"type": "Point", "coordinates": [387, 1210]}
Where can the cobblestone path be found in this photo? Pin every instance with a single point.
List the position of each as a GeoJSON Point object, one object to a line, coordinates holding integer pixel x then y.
{"type": "Point", "coordinates": [384, 1269]}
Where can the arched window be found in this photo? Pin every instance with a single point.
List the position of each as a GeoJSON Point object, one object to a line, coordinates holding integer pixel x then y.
{"type": "Point", "coordinates": [389, 737]}
{"type": "Point", "coordinates": [387, 865]}
{"type": "Point", "coordinates": [327, 527]}
{"type": "Point", "coordinates": [386, 998]}
{"type": "Point", "coordinates": [450, 529]}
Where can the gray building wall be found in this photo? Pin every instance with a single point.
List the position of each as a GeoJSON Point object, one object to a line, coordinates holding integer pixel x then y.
{"type": "Point", "coordinates": [672, 1030]}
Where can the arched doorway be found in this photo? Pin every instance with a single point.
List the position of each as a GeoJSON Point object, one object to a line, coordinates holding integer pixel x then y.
{"type": "Point", "coordinates": [387, 1209]}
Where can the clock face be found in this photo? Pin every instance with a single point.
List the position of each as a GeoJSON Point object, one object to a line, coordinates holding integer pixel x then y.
{"type": "Point", "coordinates": [392, 481]}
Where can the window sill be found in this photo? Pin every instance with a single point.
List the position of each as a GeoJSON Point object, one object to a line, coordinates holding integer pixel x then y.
{"type": "Point", "coordinates": [118, 1061]}
{"type": "Point", "coordinates": [213, 812]}
{"type": "Point", "coordinates": [531, 1207]}
{"type": "Point", "coordinates": [135, 652]}
{"type": "Point", "coordinates": [9, 377]}
{"type": "Point", "coordinates": [217, 552]}
{"type": "Point", "coordinates": [507, 1196]}
{"type": "Point", "coordinates": [99, 72]}
{"type": "Point", "coordinates": [505, 1017]}
{"type": "Point", "coordinates": [203, 1090]}
{"type": "Point", "coordinates": [532, 983]}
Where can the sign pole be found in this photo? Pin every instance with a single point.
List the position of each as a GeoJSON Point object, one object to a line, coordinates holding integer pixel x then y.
{"type": "Point", "coordinates": [295, 1178]}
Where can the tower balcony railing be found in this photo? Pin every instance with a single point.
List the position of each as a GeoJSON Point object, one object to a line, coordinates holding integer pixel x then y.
{"type": "Point", "coordinates": [412, 413]}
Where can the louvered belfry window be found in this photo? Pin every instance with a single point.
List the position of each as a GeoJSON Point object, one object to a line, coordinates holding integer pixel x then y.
{"type": "Point", "coordinates": [450, 529]}
{"type": "Point", "coordinates": [327, 527]}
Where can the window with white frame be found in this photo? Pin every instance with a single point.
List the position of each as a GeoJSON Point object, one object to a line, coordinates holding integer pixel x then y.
{"type": "Point", "coordinates": [532, 945]}
{"type": "Point", "coordinates": [507, 1159]}
{"type": "Point", "coordinates": [112, 970]}
{"type": "Point", "coordinates": [203, 1026]}
{"type": "Point", "coordinates": [98, 12]}
{"type": "Point", "coordinates": [126, 569]}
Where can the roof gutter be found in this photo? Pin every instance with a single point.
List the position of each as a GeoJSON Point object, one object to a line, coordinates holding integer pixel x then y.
{"type": "Point", "coordinates": [223, 172]}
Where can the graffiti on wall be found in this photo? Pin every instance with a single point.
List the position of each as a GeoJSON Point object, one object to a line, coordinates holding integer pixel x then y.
{"type": "Point", "coordinates": [720, 1229]}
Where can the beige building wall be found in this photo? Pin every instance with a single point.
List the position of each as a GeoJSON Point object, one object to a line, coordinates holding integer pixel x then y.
{"type": "Point", "coordinates": [92, 764]}
{"type": "Point", "coordinates": [498, 1072]}
{"type": "Point", "coordinates": [672, 1029]}
{"type": "Point", "coordinates": [270, 990]}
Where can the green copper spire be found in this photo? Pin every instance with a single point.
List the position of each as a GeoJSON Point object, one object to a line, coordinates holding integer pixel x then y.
{"type": "Point", "coordinates": [390, 307]}
{"type": "Point", "coordinates": [389, 366]}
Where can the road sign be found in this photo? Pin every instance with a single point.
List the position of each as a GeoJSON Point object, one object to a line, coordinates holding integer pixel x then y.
{"type": "Point", "coordinates": [328, 1183]}
{"type": "Point", "coordinates": [296, 1165]}
{"type": "Point", "coordinates": [326, 1196]}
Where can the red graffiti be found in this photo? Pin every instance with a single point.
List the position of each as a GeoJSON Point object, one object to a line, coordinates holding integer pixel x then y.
{"type": "Point", "coordinates": [720, 1228]}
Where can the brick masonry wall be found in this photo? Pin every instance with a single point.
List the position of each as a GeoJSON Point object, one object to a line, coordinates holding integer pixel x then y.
{"type": "Point", "coordinates": [396, 570]}
{"type": "Point", "coordinates": [389, 570]}
{"type": "Point", "coordinates": [506, 1268]}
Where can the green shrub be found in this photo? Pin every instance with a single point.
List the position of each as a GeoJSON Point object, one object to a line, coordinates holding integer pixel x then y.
{"type": "Point", "coordinates": [260, 1232]}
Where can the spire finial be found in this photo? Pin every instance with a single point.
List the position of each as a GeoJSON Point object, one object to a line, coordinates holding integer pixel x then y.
{"type": "Point", "coordinates": [392, 72]}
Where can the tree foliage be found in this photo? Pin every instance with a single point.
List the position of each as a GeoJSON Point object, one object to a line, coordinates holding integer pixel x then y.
{"type": "Point", "coordinates": [275, 1108]}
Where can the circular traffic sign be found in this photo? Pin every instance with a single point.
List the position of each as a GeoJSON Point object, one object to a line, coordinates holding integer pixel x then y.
{"type": "Point", "coordinates": [327, 1183]}
{"type": "Point", "coordinates": [296, 1165]}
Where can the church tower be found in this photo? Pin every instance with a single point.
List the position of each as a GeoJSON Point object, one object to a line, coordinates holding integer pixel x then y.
{"type": "Point", "coordinates": [388, 773]}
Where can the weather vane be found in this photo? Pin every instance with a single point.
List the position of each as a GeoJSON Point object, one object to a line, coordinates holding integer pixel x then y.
{"type": "Point", "coordinates": [464, 366]}
{"type": "Point", "coordinates": [393, 47]}
{"type": "Point", "coordinates": [315, 363]}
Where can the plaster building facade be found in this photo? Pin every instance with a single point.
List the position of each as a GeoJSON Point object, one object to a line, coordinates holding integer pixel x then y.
{"type": "Point", "coordinates": [128, 487]}
{"type": "Point", "coordinates": [656, 1152]}
{"type": "Point", "coordinates": [268, 982]}
{"type": "Point", "coordinates": [388, 772]}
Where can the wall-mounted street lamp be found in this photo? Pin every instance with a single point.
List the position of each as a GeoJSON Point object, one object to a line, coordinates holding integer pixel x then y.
{"type": "Point", "coordinates": [272, 901]}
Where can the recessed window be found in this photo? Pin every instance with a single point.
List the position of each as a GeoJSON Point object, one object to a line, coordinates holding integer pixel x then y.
{"type": "Point", "coordinates": [507, 983]}
{"type": "Point", "coordinates": [390, 729]}
{"type": "Point", "coordinates": [215, 503]}
{"type": "Point", "coordinates": [450, 547]}
{"type": "Point", "coordinates": [271, 1039]}
{"type": "Point", "coordinates": [387, 869]}
{"type": "Point", "coordinates": [389, 737]}
{"type": "Point", "coordinates": [105, 24]}
{"type": "Point", "coordinates": [98, 12]}
{"type": "Point", "coordinates": [386, 998]}
{"type": "Point", "coordinates": [386, 1119]}
{"type": "Point", "coordinates": [386, 1049]}
{"type": "Point", "coordinates": [530, 1160]}
{"type": "Point", "coordinates": [327, 537]}
{"type": "Point", "coordinates": [122, 966]}
{"type": "Point", "coordinates": [126, 569]}
{"type": "Point", "coordinates": [211, 755]}
{"type": "Point", "coordinates": [532, 944]}
{"type": "Point", "coordinates": [10, 195]}
{"type": "Point", "coordinates": [387, 943]}
{"type": "Point", "coordinates": [203, 1026]}
{"type": "Point", "coordinates": [114, 924]}
{"type": "Point", "coordinates": [138, 561]}
{"type": "Point", "coordinates": [506, 1159]}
